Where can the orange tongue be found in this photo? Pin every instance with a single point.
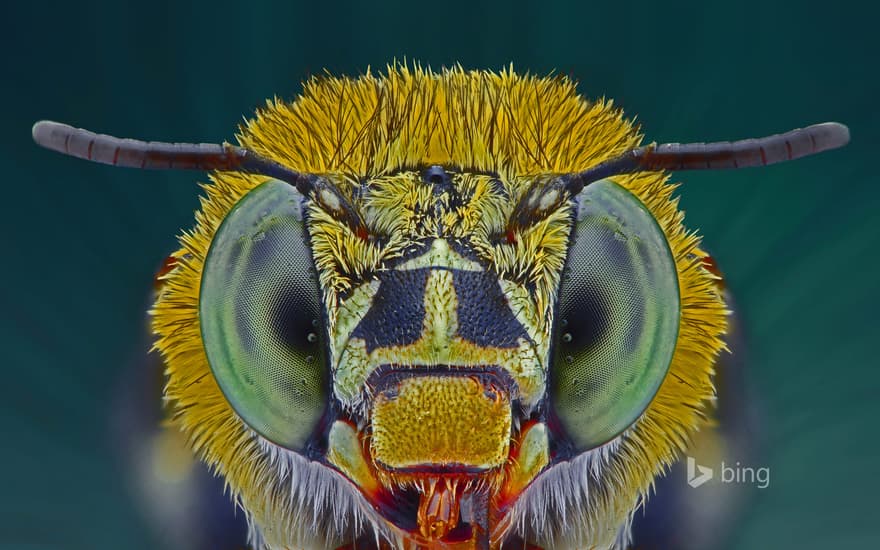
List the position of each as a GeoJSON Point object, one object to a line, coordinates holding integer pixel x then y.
{"type": "Point", "coordinates": [438, 509]}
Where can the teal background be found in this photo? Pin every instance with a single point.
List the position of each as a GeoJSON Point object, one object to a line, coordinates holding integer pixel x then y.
{"type": "Point", "coordinates": [798, 242]}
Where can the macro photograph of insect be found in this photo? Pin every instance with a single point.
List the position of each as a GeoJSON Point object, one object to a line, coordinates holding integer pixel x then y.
{"type": "Point", "coordinates": [478, 276]}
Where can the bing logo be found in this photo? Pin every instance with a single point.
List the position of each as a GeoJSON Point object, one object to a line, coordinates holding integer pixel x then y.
{"type": "Point", "coordinates": [697, 475]}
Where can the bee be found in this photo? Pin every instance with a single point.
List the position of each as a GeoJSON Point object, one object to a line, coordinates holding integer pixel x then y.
{"type": "Point", "coordinates": [451, 310]}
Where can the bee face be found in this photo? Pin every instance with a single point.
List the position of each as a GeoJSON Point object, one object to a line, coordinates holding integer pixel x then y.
{"type": "Point", "coordinates": [465, 319]}
{"type": "Point", "coordinates": [438, 305]}
{"type": "Point", "coordinates": [431, 339]}
{"type": "Point", "coordinates": [417, 342]}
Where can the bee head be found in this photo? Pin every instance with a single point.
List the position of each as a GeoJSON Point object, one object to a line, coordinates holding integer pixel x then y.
{"type": "Point", "coordinates": [439, 309]}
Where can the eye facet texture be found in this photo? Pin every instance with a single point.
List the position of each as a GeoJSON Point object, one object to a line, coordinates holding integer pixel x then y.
{"type": "Point", "coordinates": [617, 319]}
{"type": "Point", "coordinates": [259, 309]}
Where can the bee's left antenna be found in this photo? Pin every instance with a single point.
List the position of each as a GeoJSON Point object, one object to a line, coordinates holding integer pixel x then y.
{"type": "Point", "coordinates": [546, 196]}
{"type": "Point", "coordinates": [158, 155]}
{"type": "Point", "coordinates": [744, 153]}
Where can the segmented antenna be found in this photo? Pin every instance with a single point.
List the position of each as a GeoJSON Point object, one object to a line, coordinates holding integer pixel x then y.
{"type": "Point", "coordinates": [157, 155]}
{"type": "Point", "coordinates": [744, 153]}
{"type": "Point", "coordinates": [724, 154]}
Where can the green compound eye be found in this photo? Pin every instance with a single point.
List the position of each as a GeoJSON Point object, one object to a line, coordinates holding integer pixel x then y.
{"type": "Point", "coordinates": [259, 309]}
{"type": "Point", "coordinates": [617, 318]}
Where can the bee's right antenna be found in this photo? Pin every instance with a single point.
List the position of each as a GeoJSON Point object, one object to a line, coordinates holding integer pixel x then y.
{"type": "Point", "coordinates": [158, 155]}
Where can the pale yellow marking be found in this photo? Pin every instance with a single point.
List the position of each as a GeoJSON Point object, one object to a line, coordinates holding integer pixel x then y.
{"type": "Point", "coordinates": [441, 255]}
{"type": "Point", "coordinates": [534, 455]}
{"type": "Point", "coordinates": [350, 313]}
{"type": "Point", "coordinates": [547, 200]}
{"type": "Point", "coordinates": [441, 314]}
{"type": "Point", "coordinates": [523, 307]}
{"type": "Point", "coordinates": [353, 370]}
{"type": "Point", "coordinates": [344, 451]}
{"type": "Point", "coordinates": [331, 200]}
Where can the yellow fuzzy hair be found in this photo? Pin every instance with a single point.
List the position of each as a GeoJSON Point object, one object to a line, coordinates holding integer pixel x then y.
{"type": "Point", "coordinates": [515, 126]}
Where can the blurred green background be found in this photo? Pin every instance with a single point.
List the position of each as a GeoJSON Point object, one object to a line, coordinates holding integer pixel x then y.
{"type": "Point", "coordinates": [798, 242]}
